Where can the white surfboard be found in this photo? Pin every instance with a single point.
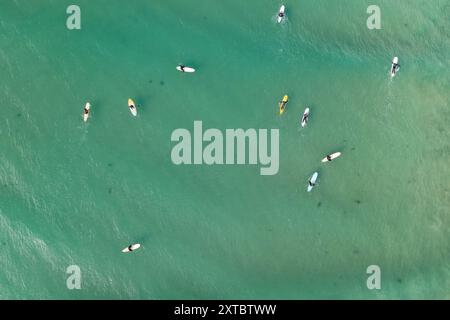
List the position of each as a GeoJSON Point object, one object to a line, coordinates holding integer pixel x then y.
{"type": "Point", "coordinates": [394, 69]}
{"type": "Point", "coordinates": [131, 248]}
{"type": "Point", "coordinates": [281, 13]}
{"type": "Point", "coordinates": [305, 117]}
{"type": "Point", "coordinates": [331, 157]}
{"type": "Point", "coordinates": [312, 181]}
{"type": "Point", "coordinates": [132, 107]}
{"type": "Point", "coordinates": [87, 109]}
{"type": "Point", "coordinates": [185, 69]}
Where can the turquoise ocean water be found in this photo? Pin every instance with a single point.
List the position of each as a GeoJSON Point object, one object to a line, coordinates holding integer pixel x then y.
{"type": "Point", "coordinates": [76, 194]}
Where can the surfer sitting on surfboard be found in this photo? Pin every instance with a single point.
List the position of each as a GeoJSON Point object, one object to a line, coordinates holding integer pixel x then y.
{"type": "Point", "coordinates": [281, 14]}
{"type": "Point", "coordinates": [182, 68]}
{"type": "Point", "coordinates": [395, 66]}
{"type": "Point", "coordinates": [329, 158]}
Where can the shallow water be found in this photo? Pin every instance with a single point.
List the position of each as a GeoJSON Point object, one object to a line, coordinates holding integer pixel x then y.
{"type": "Point", "coordinates": [75, 193]}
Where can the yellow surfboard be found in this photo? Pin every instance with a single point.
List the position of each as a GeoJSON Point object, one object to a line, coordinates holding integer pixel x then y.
{"type": "Point", "coordinates": [283, 103]}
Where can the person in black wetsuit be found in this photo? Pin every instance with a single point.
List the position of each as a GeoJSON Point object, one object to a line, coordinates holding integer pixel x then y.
{"type": "Point", "coordinates": [305, 118]}
{"type": "Point", "coordinates": [395, 67]}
